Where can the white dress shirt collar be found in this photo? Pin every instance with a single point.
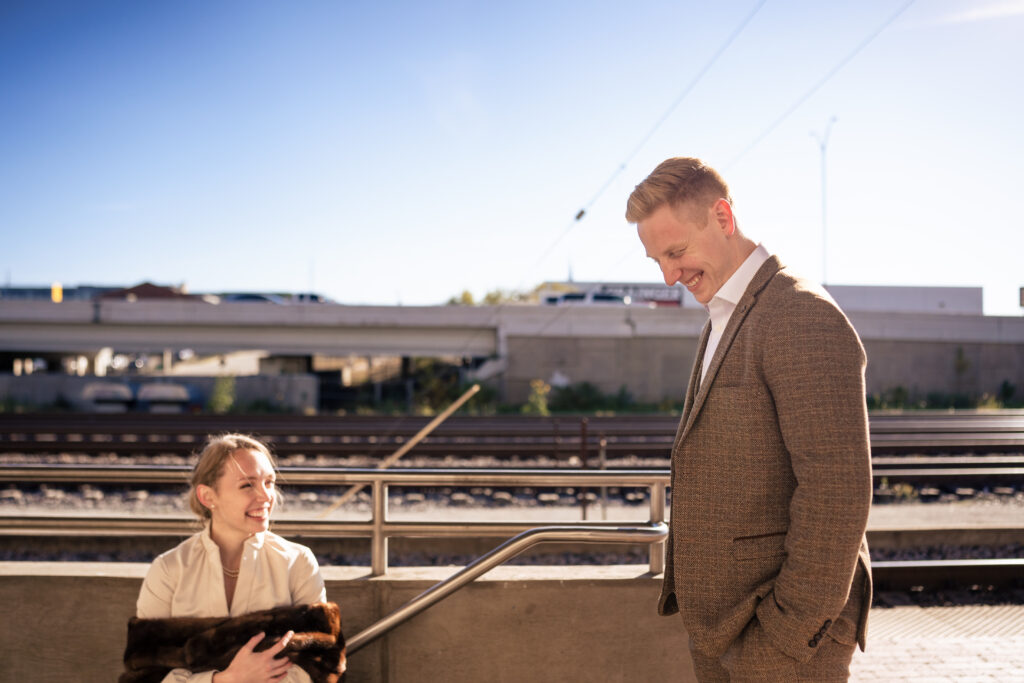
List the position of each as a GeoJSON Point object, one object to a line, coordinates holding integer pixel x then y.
{"type": "Point", "coordinates": [723, 303]}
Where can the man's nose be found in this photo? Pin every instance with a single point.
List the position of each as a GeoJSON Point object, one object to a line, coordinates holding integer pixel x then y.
{"type": "Point", "coordinates": [670, 274]}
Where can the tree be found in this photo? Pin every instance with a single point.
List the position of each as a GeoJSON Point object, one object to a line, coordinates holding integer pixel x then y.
{"type": "Point", "coordinates": [464, 299]}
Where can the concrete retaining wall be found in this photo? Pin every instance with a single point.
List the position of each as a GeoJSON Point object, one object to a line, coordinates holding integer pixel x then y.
{"type": "Point", "coordinates": [651, 368]}
{"type": "Point", "coordinates": [657, 368]}
{"type": "Point", "coordinates": [66, 622]}
{"type": "Point", "coordinates": [923, 367]}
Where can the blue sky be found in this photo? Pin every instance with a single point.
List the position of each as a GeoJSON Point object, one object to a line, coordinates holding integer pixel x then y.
{"type": "Point", "coordinates": [386, 152]}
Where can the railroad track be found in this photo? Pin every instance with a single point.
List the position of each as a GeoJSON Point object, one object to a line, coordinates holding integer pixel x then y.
{"type": "Point", "coordinates": [963, 470]}
{"type": "Point", "coordinates": [644, 436]}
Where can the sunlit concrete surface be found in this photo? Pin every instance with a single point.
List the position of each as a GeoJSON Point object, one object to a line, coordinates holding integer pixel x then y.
{"type": "Point", "coordinates": [963, 644]}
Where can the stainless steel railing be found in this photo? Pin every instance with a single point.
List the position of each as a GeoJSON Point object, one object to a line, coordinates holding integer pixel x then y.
{"type": "Point", "coordinates": [654, 534]}
{"type": "Point", "coordinates": [379, 528]}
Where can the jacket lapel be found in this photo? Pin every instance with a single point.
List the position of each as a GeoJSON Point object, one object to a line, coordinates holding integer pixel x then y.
{"type": "Point", "coordinates": [694, 383]}
{"type": "Point", "coordinates": [763, 276]}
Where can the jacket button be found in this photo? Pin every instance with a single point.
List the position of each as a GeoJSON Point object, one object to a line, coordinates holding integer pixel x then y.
{"type": "Point", "coordinates": [812, 643]}
{"type": "Point", "coordinates": [828, 622]}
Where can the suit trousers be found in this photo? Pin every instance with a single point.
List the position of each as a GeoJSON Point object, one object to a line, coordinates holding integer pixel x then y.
{"type": "Point", "coordinates": [765, 664]}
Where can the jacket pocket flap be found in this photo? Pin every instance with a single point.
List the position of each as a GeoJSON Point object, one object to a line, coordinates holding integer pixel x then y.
{"type": "Point", "coordinates": [762, 545]}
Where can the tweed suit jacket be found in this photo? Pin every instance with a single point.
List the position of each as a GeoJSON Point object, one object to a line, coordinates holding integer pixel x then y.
{"type": "Point", "coordinates": [771, 477]}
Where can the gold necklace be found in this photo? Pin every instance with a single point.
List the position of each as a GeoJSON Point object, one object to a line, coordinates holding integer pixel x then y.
{"type": "Point", "coordinates": [231, 573]}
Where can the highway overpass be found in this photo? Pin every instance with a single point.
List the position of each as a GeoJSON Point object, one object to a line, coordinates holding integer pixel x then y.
{"type": "Point", "coordinates": [647, 350]}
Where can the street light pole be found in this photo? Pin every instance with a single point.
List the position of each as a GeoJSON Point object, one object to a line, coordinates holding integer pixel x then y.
{"type": "Point", "coordinates": [823, 145]}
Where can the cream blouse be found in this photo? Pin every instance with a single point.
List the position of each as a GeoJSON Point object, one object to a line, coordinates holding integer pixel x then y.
{"type": "Point", "coordinates": [188, 581]}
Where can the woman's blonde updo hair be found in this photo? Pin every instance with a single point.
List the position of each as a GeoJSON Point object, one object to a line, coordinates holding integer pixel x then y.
{"type": "Point", "coordinates": [212, 461]}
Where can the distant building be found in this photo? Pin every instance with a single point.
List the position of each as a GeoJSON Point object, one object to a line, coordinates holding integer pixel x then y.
{"type": "Point", "coordinates": [883, 299]}
{"type": "Point", "coordinates": [148, 290]}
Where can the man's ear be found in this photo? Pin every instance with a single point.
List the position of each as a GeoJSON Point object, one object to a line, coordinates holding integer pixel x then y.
{"type": "Point", "coordinates": [721, 212]}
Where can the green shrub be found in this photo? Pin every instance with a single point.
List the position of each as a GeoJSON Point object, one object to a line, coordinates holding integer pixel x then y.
{"type": "Point", "coordinates": [222, 396]}
{"type": "Point", "coordinates": [537, 403]}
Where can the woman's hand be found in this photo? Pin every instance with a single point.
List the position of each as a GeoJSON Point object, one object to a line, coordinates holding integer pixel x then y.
{"type": "Point", "coordinates": [257, 667]}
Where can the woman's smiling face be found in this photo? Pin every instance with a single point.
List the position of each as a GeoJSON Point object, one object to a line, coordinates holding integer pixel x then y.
{"type": "Point", "coordinates": [243, 497]}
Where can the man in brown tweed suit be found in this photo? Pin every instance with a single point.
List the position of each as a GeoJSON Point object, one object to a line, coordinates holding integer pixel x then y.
{"type": "Point", "coordinates": [771, 476]}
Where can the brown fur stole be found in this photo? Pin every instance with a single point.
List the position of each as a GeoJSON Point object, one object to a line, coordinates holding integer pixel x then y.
{"type": "Point", "coordinates": [155, 646]}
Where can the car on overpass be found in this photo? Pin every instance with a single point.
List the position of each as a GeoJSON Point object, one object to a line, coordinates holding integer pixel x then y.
{"type": "Point", "coordinates": [589, 299]}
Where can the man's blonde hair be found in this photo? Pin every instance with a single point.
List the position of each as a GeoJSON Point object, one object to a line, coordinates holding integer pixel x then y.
{"type": "Point", "coordinates": [676, 182]}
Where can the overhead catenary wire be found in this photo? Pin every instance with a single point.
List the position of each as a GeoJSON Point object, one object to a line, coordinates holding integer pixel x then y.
{"type": "Point", "coordinates": [672, 108]}
{"type": "Point", "coordinates": [821, 82]}
{"type": "Point", "coordinates": [805, 96]}
{"type": "Point", "coordinates": [764, 134]}
{"type": "Point", "coordinates": [581, 214]}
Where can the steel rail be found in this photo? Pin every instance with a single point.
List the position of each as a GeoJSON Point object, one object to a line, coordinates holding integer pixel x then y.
{"type": "Point", "coordinates": [656, 447]}
{"type": "Point", "coordinates": [925, 415]}
{"type": "Point", "coordinates": [499, 436]}
{"type": "Point", "coordinates": [903, 461]}
{"type": "Point", "coordinates": [653, 533]}
{"type": "Point", "coordinates": [916, 469]}
{"type": "Point", "coordinates": [949, 476]}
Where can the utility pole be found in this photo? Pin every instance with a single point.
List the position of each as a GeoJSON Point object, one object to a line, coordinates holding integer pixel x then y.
{"type": "Point", "coordinates": [823, 145]}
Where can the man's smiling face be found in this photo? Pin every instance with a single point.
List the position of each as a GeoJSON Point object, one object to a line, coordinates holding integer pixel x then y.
{"type": "Point", "coordinates": [691, 246]}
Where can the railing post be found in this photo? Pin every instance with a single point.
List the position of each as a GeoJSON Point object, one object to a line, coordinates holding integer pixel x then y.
{"type": "Point", "coordinates": [583, 465]}
{"type": "Point", "coordinates": [656, 551]}
{"type": "Point", "coordinates": [379, 542]}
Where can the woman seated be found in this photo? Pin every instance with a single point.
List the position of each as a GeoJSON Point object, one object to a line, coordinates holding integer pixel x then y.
{"type": "Point", "coordinates": [195, 612]}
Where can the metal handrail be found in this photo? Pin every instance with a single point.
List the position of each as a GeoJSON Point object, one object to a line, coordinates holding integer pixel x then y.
{"type": "Point", "coordinates": [379, 528]}
{"type": "Point", "coordinates": [336, 476]}
{"type": "Point", "coordinates": [654, 533]}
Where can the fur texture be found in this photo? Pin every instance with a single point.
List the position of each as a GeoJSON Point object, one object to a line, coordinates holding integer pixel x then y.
{"type": "Point", "coordinates": [155, 646]}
